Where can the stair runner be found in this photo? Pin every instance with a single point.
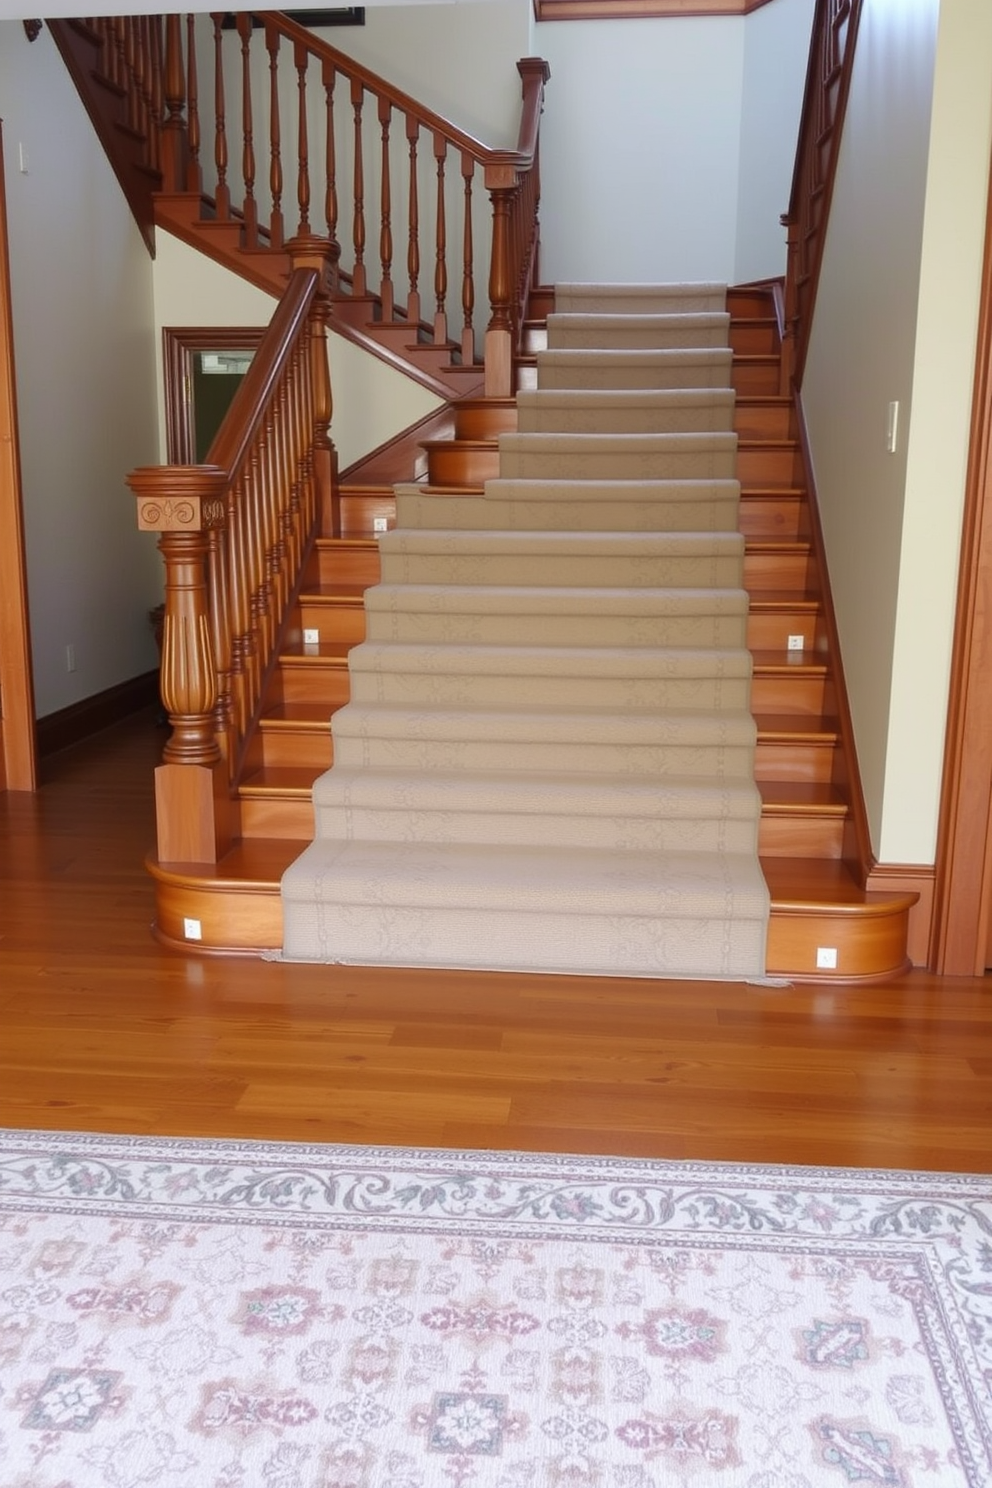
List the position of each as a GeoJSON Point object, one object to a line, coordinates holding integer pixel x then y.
{"type": "Point", "coordinates": [547, 761]}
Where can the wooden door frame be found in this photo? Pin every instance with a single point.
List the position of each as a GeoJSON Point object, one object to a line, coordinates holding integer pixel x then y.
{"type": "Point", "coordinates": [18, 754]}
{"type": "Point", "coordinates": [963, 872]}
{"type": "Point", "coordinates": [179, 346]}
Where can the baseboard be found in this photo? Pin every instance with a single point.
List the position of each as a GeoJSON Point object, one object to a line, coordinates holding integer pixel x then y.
{"type": "Point", "coordinates": [93, 714]}
{"type": "Point", "coordinates": [909, 878]}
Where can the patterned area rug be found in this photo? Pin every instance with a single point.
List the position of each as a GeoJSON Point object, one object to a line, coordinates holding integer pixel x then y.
{"type": "Point", "coordinates": [234, 1315]}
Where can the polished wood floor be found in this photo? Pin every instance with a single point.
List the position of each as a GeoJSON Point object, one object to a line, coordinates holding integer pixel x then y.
{"type": "Point", "coordinates": [102, 1029]}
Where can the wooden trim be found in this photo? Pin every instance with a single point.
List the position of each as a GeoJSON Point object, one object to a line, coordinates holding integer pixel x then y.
{"type": "Point", "coordinates": [179, 346]}
{"type": "Point", "coordinates": [964, 870]}
{"type": "Point", "coordinates": [901, 878]}
{"type": "Point", "coordinates": [18, 763]}
{"type": "Point", "coordinates": [93, 714]}
{"type": "Point", "coordinates": [857, 850]}
{"type": "Point", "coordinates": [621, 10]}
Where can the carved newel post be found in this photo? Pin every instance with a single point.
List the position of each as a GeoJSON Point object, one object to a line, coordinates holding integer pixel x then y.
{"type": "Point", "coordinates": [307, 251]}
{"type": "Point", "coordinates": [185, 505]}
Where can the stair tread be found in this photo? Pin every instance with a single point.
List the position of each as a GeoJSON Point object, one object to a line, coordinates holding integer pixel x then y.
{"type": "Point", "coordinates": [801, 662]}
{"type": "Point", "coordinates": [281, 780]}
{"type": "Point", "coordinates": [308, 653]}
{"type": "Point", "coordinates": [790, 795]}
{"type": "Point", "coordinates": [792, 725]}
{"type": "Point", "coordinates": [333, 592]}
{"type": "Point", "coordinates": [304, 716]}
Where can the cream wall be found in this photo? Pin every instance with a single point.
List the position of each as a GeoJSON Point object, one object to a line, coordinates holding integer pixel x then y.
{"type": "Point", "coordinates": [895, 321]}
{"type": "Point", "coordinates": [85, 361]}
{"type": "Point", "coordinates": [372, 401]}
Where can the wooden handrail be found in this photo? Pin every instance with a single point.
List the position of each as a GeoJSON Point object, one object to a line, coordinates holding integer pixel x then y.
{"type": "Point", "coordinates": [828, 80]}
{"type": "Point", "coordinates": [234, 534]}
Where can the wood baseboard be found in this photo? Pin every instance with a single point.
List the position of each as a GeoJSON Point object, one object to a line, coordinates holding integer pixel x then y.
{"type": "Point", "coordinates": [910, 878]}
{"type": "Point", "coordinates": [93, 714]}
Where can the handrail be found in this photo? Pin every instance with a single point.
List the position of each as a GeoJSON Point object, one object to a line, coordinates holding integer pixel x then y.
{"type": "Point", "coordinates": [222, 103]}
{"type": "Point", "coordinates": [234, 534]}
{"type": "Point", "coordinates": [828, 80]}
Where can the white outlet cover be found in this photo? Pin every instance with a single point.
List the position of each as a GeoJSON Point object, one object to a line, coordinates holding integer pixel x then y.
{"type": "Point", "coordinates": [797, 643]}
{"type": "Point", "coordinates": [193, 929]}
{"type": "Point", "coordinates": [380, 524]}
{"type": "Point", "coordinates": [826, 958]}
{"type": "Point", "coordinates": [311, 637]}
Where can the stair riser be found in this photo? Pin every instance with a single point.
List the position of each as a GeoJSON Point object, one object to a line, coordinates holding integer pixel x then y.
{"type": "Point", "coordinates": [770, 631]}
{"type": "Point", "coordinates": [778, 571]}
{"type": "Point", "coordinates": [572, 337]}
{"type": "Point", "coordinates": [770, 420]}
{"type": "Point", "coordinates": [470, 514]}
{"type": "Point", "coordinates": [433, 690]}
{"type": "Point", "coordinates": [804, 836]}
{"type": "Point", "coordinates": [462, 464]}
{"type": "Point", "coordinates": [311, 684]}
{"type": "Point", "coordinates": [333, 622]}
{"type": "Point", "coordinates": [796, 762]}
{"type": "Point", "coordinates": [751, 337]}
{"type": "Point", "coordinates": [770, 516]}
{"type": "Point", "coordinates": [798, 694]}
{"type": "Point", "coordinates": [564, 376]}
{"type": "Point", "coordinates": [285, 817]}
{"type": "Point", "coordinates": [344, 566]}
{"type": "Point", "coordinates": [615, 465]}
{"type": "Point", "coordinates": [758, 377]}
{"type": "Point", "coordinates": [639, 300]}
{"type": "Point", "coordinates": [477, 419]}
{"type": "Point", "coordinates": [732, 762]}
{"type": "Point", "coordinates": [359, 511]}
{"type": "Point", "coordinates": [540, 830]}
{"type": "Point", "coordinates": [557, 630]}
{"type": "Point", "coordinates": [626, 420]}
{"type": "Point", "coordinates": [557, 571]}
{"type": "Point", "coordinates": [282, 747]}
{"type": "Point", "coordinates": [769, 465]}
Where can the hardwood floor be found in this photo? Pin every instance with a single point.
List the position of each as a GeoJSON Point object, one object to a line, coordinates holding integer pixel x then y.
{"type": "Point", "coordinates": [102, 1029]}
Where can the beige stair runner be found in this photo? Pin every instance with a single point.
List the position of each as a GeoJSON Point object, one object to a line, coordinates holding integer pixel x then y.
{"type": "Point", "coordinates": [547, 761]}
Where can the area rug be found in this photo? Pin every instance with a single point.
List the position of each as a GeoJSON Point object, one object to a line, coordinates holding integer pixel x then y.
{"type": "Point", "coordinates": [211, 1314]}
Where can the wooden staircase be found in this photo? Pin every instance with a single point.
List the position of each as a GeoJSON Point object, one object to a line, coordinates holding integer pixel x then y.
{"type": "Point", "coordinates": [808, 834]}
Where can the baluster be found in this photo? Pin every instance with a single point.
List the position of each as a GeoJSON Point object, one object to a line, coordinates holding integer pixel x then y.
{"type": "Point", "coordinates": [303, 176]}
{"type": "Point", "coordinates": [468, 280]}
{"type": "Point", "coordinates": [358, 284]}
{"type": "Point", "coordinates": [157, 96]}
{"type": "Point", "coordinates": [222, 192]}
{"type": "Point", "coordinates": [175, 102]}
{"type": "Point", "coordinates": [440, 247]}
{"type": "Point", "coordinates": [413, 244]}
{"type": "Point", "coordinates": [385, 215]}
{"type": "Point", "coordinates": [129, 72]}
{"type": "Point", "coordinates": [250, 207]}
{"type": "Point", "coordinates": [118, 66]}
{"type": "Point", "coordinates": [276, 225]}
{"type": "Point", "coordinates": [240, 610]}
{"type": "Point", "coordinates": [194, 172]}
{"type": "Point", "coordinates": [330, 155]}
{"type": "Point", "coordinates": [220, 636]}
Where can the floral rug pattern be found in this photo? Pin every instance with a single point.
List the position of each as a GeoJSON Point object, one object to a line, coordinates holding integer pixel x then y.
{"type": "Point", "coordinates": [200, 1314]}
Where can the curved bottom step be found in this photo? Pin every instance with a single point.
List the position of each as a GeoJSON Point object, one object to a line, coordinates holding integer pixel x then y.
{"type": "Point", "coordinates": [823, 928]}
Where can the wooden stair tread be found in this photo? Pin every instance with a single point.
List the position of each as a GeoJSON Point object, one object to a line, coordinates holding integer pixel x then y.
{"type": "Point", "coordinates": [802, 663]}
{"type": "Point", "coordinates": [314, 717]}
{"type": "Point", "coordinates": [309, 653]}
{"type": "Point", "coordinates": [797, 884]}
{"type": "Point", "coordinates": [333, 594]}
{"type": "Point", "coordinates": [779, 796]}
{"type": "Point", "coordinates": [279, 780]}
{"type": "Point", "coordinates": [796, 726]}
{"type": "Point", "coordinates": [782, 599]}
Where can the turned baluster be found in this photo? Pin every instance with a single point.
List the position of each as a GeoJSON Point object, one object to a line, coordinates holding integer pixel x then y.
{"type": "Point", "coordinates": [250, 206]}
{"type": "Point", "coordinates": [413, 243]}
{"type": "Point", "coordinates": [440, 247]}
{"type": "Point", "coordinates": [220, 636]}
{"type": "Point", "coordinates": [385, 215]}
{"type": "Point", "coordinates": [358, 282]}
{"type": "Point", "coordinates": [468, 279]}
{"type": "Point", "coordinates": [276, 224]}
{"type": "Point", "coordinates": [157, 96]}
{"type": "Point", "coordinates": [330, 157]}
{"type": "Point", "coordinates": [194, 171]}
{"type": "Point", "coordinates": [173, 129]}
{"type": "Point", "coordinates": [303, 145]}
{"type": "Point", "coordinates": [222, 192]}
{"type": "Point", "coordinates": [239, 592]}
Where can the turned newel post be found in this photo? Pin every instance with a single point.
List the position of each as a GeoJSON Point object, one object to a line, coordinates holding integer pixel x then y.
{"type": "Point", "coordinates": [321, 254]}
{"type": "Point", "coordinates": [183, 504]}
{"type": "Point", "coordinates": [501, 181]}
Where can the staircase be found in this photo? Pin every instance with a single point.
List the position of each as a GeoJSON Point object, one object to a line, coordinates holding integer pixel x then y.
{"type": "Point", "coordinates": [168, 142]}
{"type": "Point", "coordinates": [807, 827]}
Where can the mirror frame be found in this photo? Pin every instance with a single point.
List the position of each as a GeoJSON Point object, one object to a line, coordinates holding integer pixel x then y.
{"type": "Point", "coordinates": [180, 344]}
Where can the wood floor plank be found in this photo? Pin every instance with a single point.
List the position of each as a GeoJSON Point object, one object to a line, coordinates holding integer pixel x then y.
{"type": "Point", "coordinates": [103, 1029]}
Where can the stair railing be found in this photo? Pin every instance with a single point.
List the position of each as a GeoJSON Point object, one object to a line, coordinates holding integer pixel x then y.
{"type": "Point", "coordinates": [234, 533]}
{"type": "Point", "coordinates": [280, 133]}
{"type": "Point", "coordinates": [828, 78]}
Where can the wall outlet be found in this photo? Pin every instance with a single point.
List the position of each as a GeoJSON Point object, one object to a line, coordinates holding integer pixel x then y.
{"type": "Point", "coordinates": [311, 638]}
{"type": "Point", "coordinates": [826, 958]}
{"type": "Point", "coordinates": [797, 643]}
{"type": "Point", "coordinates": [380, 524]}
{"type": "Point", "coordinates": [193, 929]}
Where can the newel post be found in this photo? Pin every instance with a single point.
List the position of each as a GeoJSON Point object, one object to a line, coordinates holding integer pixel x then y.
{"type": "Point", "coordinates": [321, 254]}
{"type": "Point", "coordinates": [501, 183]}
{"type": "Point", "coordinates": [184, 504]}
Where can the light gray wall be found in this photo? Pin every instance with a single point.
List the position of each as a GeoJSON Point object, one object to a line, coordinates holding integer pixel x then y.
{"type": "Point", "coordinates": [81, 291]}
{"type": "Point", "coordinates": [896, 320]}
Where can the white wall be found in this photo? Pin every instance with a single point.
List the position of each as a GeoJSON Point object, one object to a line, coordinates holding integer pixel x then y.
{"type": "Point", "coordinates": [85, 359]}
{"type": "Point", "coordinates": [776, 44]}
{"type": "Point", "coordinates": [895, 321]}
{"type": "Point", "coordinates": [372, 401]}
